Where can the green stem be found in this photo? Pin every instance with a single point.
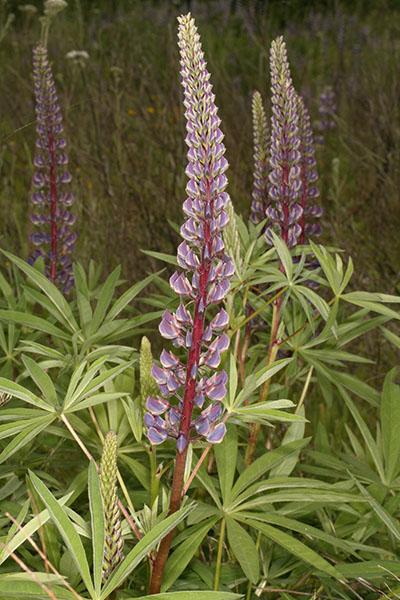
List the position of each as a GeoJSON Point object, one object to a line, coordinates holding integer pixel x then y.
{"type": "Point", "coordinates": [155, 477]}
{"type": "Point", "coordinates": [249, 587]}
{"type": "Point", "coordinates": [219, 555]}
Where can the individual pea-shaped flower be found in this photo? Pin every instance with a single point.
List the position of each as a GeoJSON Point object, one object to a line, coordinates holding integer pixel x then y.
{"type": "Point", "coordinates": [51, 203]}
{"type": "Point", "coordinates": [113, 542]}
{"type": "Point", "coordinates": [185, 385]}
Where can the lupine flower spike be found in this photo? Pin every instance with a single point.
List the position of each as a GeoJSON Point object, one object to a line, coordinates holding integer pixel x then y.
{"type": "Point", "coordinates": [207, 267]}
{"type": "Point", "coordinates": [55, 242]}
{"type": "Point", "coordinates": [148, 387]}
{"type": "Point", "coordinates": [261, 161]}
{"type": "Point", "coordinates": [308, 175]}
{"type": "Point", "coordinates": [327, 112]}
{"type": "Point", "coordinates": [231, 237]}
{"type": "Point", "coordinates": [113, 544]}
{"type": "Point", "coordinates": [285, 155]}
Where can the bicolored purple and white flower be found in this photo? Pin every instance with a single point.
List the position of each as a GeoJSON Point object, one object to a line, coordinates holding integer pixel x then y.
{"type": "Point", "coordinates": [308, 175]}
{"type": "Point", "coordinates": [186, 386]}
{"type": "Point", "coordinates": [284, 211]}
{"type": "Point", "coordinates": [50, 203]}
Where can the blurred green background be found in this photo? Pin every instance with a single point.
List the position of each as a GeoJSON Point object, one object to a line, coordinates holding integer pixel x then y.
{"type": "Point", "coordinates": [125, 127]}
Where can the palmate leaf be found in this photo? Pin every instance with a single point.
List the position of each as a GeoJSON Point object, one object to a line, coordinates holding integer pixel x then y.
{"type": "Point", "coordinates": [105, 297]}
{"type": "Point", "coordinates": [226, 455]}
{"type": "Point", "coordinates": [33, 322]}
{"type": "Point", "coordinates": [20, 585]}
{"type": "Point", "coordinates": [264, 463]}
{"type": "Point", "coordinates": [26, 435]}
{"type": "Point", "coordinates": [42, 380]}
{"type": "Point", "coordinates": [244, 549]}
{"type": "Point", "coordinates": [14, 541]}
{"type": "Point", "coordinates": [390, 420]}
{"type": "Point", "coordinates": [67, 531]}
{"type": "Point", "coordinates": [54, 295]}
{"type": "Point", "coordinates": [295, 547]}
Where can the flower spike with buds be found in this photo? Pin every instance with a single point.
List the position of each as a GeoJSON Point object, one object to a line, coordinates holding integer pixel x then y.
{"type": "Point", "coordinates": [284, 178]}
{"type": "Point", "coordinates": [207, 267]}
{"type": "Point", "coordinates": [308, 175]}
{"type": "Point", "coordinates": [261, 161]}
{"type": "Point", "coordinates": [49, 180]}
{"type": "Point", "coordinates": [113, 543]}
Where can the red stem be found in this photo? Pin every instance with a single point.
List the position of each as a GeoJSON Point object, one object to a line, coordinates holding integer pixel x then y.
{"type": "Point", "coordinates": [53, 195]}
{"type": "Point", "coordinates": [188, 398]}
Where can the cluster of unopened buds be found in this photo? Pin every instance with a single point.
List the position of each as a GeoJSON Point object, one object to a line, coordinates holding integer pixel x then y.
{"type": "Point", "coordinates": [206, 281]}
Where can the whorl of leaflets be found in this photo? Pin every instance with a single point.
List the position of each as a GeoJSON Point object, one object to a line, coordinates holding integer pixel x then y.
{"type": "Point", "coordinates": [261, 160]}
{"type": "Point", "coordinates": [48, 180]}
{"type": "Point", "coordinates": [208, 269]}
{"type": "Point", "coordinates": [308, 175]}
{"type": "Point", "coordinates": [284, 212]}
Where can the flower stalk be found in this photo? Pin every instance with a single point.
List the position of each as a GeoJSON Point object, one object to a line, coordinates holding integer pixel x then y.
{"type": "Point", "coordinates": [48, 180]}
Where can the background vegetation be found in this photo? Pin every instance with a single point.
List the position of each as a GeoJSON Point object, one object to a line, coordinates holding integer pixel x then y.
{"type": "Point", "coordinates": [125, 125]}
{"type": "Point", "coordinates": [327, 490]}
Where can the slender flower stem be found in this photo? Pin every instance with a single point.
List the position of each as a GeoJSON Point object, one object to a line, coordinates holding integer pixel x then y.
{"type": "Point", "coordinates": [219, 555]}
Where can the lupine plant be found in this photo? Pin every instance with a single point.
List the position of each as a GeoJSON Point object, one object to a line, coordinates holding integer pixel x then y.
{"type": "Point", "coordinates": [202, 256]}
{"type": "Point", "coordinates": [249, 482]}
{"type": "Point", "coordinates": [56, 242]}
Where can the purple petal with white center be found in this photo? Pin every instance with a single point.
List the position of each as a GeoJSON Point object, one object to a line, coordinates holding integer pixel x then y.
{"type": "Point", "coordinates": [217, 434]}
{"type": "Point", "coordinates": [156, 436]}
{"type": "Point", "coordinates": [202, 425]}
{"type": "Point", "coordinates": [199, 400]}
{"type": "Point", "coordinates": [181, 443]}
{"type": "Point", "coordinates": [157, 406]}
{"type": "Point", "coordinates": [168, 360]}
{"type": "Point", "coordinates": [217, 393]}
{"type": "Point", "coordinates": [159, 374]}
{"type": "Point", "coordinates": [220, 321]}
{"type": "Point", "coordinates": [212, 360]}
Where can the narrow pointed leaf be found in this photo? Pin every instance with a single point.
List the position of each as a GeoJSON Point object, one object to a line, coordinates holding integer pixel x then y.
{"type": "Point", "coordinates": [67, 531]}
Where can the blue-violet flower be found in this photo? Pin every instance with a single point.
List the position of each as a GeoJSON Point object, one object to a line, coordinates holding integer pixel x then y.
{"type": "Point", "coordinates": [48, 180]}
{"type": "Point", "coordinates": [208, 269]}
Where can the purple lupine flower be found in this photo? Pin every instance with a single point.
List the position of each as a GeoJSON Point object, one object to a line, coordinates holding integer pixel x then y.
{"type": "Point", "coordinates": [284, 211]}
{"type": "Point", "coordinates": [326, 111]}
{"type": "Point", "coordinates": [49, 180]}
{"type": "Point", "coordinates": [261, 161]}
{"type": "Point", "coordinates": [184, 386]}
{"type": "Point", "coordinates": [308, 175]}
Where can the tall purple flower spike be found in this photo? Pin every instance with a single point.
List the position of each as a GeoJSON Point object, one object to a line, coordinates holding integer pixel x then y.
{"type": "Point", "coordinates": [49, 180]}
{"type": "Point", "coordinates": [285, 210]}
{"type": "Point", "coordinates": [261, 161]}
{"type": "Point", "coordinates": [308, 175]}
{"type": "Point", "coordinates": [186, 386]}
{"type": "Point", "coordinates": [327, 112]}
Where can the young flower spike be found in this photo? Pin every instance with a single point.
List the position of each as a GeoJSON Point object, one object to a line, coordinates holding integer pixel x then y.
{"type": "Point", "coordinates": [284, 155]}
{"type": "Point", "coordinates": [113, 543]}
{"type": "Point", "coordinates": [261, 161]}
{"type": "Point", "coordinates": [49, 180]}
{"type": "Point", "coordinates": [207, 267]}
